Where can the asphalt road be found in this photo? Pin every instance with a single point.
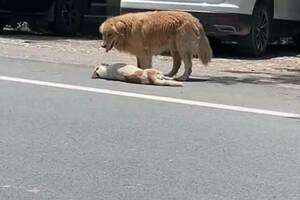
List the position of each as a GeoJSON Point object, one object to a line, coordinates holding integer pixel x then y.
{"type": "Point", "coordinates": [65, 144]}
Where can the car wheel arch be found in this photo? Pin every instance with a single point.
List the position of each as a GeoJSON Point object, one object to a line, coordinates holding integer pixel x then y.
{"type": "Point", "coordinates": [268, 3]}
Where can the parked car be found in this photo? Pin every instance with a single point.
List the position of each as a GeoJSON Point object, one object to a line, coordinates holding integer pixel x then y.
{"type": "Point", "coordinates": [253, 24]}
{"type": "Point", "coordinates": [64, 16]}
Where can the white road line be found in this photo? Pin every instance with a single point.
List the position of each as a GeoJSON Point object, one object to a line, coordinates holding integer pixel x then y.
{"type": "Point", "coordinates": [152, 97]}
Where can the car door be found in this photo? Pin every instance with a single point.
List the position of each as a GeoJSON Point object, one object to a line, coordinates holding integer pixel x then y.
{"type": "Point", "coordinates": [287, 9]}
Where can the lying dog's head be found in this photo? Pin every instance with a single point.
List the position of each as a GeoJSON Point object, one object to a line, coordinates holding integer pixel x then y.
{"type": "Point", "coordinates": [113, 32]}
{"type": "Point", "coordinates": [99, 72]}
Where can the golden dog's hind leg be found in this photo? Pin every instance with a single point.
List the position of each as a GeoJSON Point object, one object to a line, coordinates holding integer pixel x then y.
{"type": "Point", "coordinates": [187, 59]}
{"type": "Point", "coordinates": [176, 64]}
{"type": "Point", "coordinates": [138, 62]}
{"type": "Point", "coordinates": [185, 45]}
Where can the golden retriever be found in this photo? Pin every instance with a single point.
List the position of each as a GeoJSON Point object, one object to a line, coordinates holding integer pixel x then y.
{"type": "Point", "coordinates": [150, 33]}
{"type": "Point", "coordinates": [133, 74]}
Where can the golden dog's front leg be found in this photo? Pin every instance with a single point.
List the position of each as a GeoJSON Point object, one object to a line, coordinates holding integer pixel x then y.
{"type": "Point", "coordinates": [138, 62]}
{"type": "Point", "coordinates": [187, 59]}
{"type": "Point", "coordinates": [144, 61]}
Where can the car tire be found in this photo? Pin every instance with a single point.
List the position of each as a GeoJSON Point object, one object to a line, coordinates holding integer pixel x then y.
{"type": "Point", "coordinates": [296, 40]}
{"type": "Point", "coordinates": [256, 42]}
{"type": "Point", "coordinates": [68, 17]}
{"type": "Point", "coordinates": [2, 25]}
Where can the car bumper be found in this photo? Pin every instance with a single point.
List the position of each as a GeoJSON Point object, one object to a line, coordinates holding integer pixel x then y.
{"type": "Point", "coordinates": [217, 24]}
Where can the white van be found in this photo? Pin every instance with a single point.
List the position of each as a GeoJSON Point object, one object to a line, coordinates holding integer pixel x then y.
{"type": "Point", "coordinates": [251, 23]}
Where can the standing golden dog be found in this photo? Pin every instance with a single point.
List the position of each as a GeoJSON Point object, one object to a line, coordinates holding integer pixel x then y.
{"type": "Point", "coordinates": [150, 33]}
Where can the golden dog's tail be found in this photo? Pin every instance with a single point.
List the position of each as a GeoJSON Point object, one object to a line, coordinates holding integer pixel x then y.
{"type": "Point", "coordinates": [204, 50]}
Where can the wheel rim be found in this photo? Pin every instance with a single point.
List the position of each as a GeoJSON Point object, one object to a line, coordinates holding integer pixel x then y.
{"type": "Point", "coordinates": [68, 12]}
{"type": "Point", "coordinates": [261, 32]}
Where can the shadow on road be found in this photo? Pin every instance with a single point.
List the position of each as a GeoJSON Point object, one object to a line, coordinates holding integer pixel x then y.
{"type": "Point", "coordinates": [253, 78]}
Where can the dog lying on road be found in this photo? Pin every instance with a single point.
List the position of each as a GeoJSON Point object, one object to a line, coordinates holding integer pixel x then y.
{"type": "Point", "coordinates": [150, 33]}
{"type": "Point", "coordinates": [133, 74]}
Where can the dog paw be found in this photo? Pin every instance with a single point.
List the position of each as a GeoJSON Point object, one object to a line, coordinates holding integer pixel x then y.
{"type": "Point", "coordinates": [181, 78]}
{"type": "Point", "coordinates": [171, 75]}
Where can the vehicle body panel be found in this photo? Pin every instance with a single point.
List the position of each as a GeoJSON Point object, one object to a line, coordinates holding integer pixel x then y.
{"type": "Point", "coordinates": [217, 6]}
{"type": "Point", "coordinates": [226, 17]}
{"type": "Point", "coordinates": [283, 10]}
{"type": "Point", "coordinates": [287, 10]}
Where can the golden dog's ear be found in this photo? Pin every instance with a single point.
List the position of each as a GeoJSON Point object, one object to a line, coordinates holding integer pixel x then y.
{"type": "Point", "coordinates": [101, 28]}
{"type": "Point", "coordinates": [120, 28]}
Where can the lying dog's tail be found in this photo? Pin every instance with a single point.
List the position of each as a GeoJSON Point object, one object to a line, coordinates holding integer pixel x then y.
{"type": "Point", "coordinates": [155, 77]}
{"type": "Point", "coordinates": [204, 50]}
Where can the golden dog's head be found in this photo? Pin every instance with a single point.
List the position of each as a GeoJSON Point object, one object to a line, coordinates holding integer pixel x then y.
{"type": "Point", "coordinates": [113, 32]}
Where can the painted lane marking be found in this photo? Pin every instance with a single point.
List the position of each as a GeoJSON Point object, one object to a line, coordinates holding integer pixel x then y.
{"type": "Point", "coordinates": [152, 97]}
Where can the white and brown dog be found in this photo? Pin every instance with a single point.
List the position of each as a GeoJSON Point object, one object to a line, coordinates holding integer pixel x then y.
{"type": "Point", "coordinates": [133, 74]}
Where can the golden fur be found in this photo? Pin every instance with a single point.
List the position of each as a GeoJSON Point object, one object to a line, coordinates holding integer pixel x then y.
{"type": "Point", "coordinates": [133, 74]}
{"type": "Point", "coordinates": [150, 33]}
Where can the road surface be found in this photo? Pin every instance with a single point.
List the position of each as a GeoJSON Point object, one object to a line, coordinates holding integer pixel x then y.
{"type": "Point", "coordinates": [65, 136]}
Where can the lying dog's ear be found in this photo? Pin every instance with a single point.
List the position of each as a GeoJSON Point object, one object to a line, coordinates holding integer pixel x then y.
{"type": "Point", "coordinates": [120, 28]}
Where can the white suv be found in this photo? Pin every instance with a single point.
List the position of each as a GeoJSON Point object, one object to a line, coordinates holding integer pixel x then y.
{"type": "Point", "coordinates": [251, 23]}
